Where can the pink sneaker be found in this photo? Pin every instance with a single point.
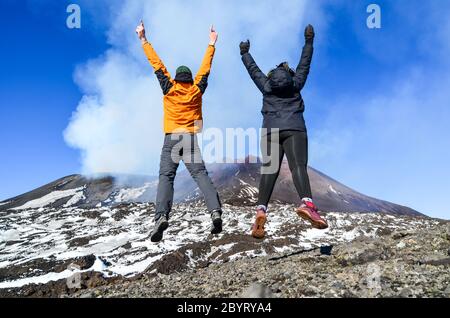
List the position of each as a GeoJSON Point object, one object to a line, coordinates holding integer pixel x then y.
{"type": "Point", "coordinates": [309, 212]}
{"type": "Point", "coordinates": [258, 226]}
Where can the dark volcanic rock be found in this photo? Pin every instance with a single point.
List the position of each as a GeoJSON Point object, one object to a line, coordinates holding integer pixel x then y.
{"type": "Point", "coordinates": [39, 266]}
{"type": "Point", "coordinates": [174, 262]}
{"type": "Point", "coordinates": [365, 267]}
{"type": "Point", "coordinates": [54, 289]}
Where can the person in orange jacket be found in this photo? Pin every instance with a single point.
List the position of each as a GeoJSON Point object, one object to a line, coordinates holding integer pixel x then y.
{"type": "Point", "coordinates": [182, 120]}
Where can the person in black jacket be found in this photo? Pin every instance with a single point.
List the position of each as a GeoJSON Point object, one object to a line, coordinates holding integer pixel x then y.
{"type": "Point", "coordinates": [284, 131]}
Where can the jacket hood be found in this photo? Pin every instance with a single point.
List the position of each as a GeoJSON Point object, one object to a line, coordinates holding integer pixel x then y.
{"type": "Point", "coordinates": [184, 78]}
{"type": "Point", "coordinates": [280, 79]}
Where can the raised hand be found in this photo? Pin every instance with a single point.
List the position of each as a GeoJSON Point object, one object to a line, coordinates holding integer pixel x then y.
{"type": "Point", "coordinates": [245, 47]}
{"type": "Point", "coordinates": [140, 30]}
{"type": "Point", "coordinates": [309, 34]}
{"type": "Point", "coordinates": [213, 36]}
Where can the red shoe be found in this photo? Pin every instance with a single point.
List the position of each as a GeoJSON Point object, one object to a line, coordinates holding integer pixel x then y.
{"type": "Point", "coordinates": [309, 212]}
{"type": "Point", "coordinates": [258, 227]}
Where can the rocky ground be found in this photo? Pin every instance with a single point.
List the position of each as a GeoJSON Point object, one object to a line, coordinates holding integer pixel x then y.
{"type": "Point", "coordinates": [361, 255]}
{"type": "Point", "coordinates": [401, 264]}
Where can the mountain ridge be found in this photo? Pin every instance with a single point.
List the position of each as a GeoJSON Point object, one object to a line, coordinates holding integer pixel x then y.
{"type": "Point", "coordinates": [237, 184]}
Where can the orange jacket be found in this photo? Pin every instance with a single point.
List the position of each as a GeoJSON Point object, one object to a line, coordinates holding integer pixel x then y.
{"type": "Point", "coordinates": [182, 101]}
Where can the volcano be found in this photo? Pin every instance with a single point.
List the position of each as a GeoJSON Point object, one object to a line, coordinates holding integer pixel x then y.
{"type": "Point", "coordinates": [237, 184]}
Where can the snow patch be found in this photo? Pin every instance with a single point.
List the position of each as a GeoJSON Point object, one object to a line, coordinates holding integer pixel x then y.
{"type": "Point", "coordinates": [330, 187]}
{"type": "Point", "coordinates": [247, 190]}
{"type": "Point", "coordinates": [79, 196]}
{"type": "Point", "coordinates": [351, 235]}
{"type": "Point", "coordinates": [130, 194]}
{"type": "Point", "coordinates": [43, 279]}
{"type": "Point", "coordinates": [49, 199]}
{"type": "Point", "coordinates": [314, 234]}
{"type": "Point", "coordinates": [37, 279]}
{"type": "Point", "coordinates": [105, 214]}
{"type": "Point", "coordinates": [9, 235]}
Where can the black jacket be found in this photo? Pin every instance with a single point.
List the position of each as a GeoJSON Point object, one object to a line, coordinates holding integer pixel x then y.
{"type": "Point", "coordinates": [283, 104]}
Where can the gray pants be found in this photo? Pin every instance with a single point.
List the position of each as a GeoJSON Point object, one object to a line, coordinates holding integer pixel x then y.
{"type": "Point", "coordinates": [184, 147]}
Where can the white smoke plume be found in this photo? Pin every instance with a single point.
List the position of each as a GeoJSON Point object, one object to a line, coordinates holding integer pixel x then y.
{"type": "Point", "coordinates": [118, 123]}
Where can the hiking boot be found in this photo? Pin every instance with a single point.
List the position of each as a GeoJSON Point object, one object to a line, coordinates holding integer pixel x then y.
{"type": "Point", "coordinates": [160, 226]}
{"type": "Point", "coordinates": [309, 212]}
{"type": "Point", "coordinates": [258, 226]}
{"type": "Point", "coordinates": [216, 217]}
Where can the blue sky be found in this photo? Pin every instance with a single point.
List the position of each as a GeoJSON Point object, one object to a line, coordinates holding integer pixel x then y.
{"type": "Point", "coordinates": [37, 92]}
{"type": "Point", "coordinates": [377, 100]}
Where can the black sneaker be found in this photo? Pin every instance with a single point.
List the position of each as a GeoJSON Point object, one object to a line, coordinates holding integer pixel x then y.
{"type": "Point", "coordinates": [161, 225]}
{"type": "Point", "coordinates": [216, 217]}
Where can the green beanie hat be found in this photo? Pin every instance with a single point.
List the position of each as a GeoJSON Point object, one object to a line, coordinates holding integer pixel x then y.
{"type": "Point", "coordinates": [183, 69]}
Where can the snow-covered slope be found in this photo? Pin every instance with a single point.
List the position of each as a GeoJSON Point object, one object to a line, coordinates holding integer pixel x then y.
{"type": "Point", "coordinates": [83, 192]}
{"type": "Point", "coordinates": [39, 244]}
{"type": "Point", "coordinates": [75, 196]}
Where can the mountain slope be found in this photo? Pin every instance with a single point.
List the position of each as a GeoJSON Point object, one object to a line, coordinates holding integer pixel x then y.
{"type": "Point", "coordinates": [237, 184]}
{"type": "Point", "coordinates": [39, 245]}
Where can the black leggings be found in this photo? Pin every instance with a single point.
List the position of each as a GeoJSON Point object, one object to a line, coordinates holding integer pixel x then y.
{"type": "Point", "coordinates": [295, 145]}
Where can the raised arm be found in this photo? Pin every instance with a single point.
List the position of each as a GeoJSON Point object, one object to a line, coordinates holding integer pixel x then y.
{"type": "Point", "coordinates": [161, 72]}
{"type": "Point", "coordinates": [255, 72]}
{"type": "Point", "coordinates": [303, 67]}
{"type": "Point", "coordinates": [201, 79]}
